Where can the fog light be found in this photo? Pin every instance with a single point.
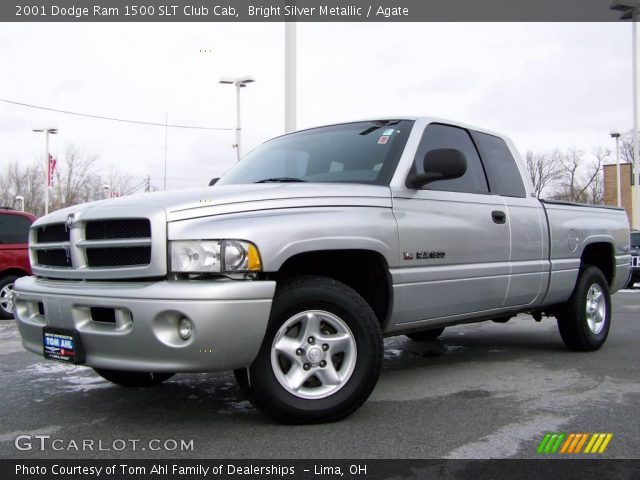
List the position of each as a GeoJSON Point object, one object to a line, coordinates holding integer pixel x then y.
{"type": "Point", "coordinates": [185, 329]}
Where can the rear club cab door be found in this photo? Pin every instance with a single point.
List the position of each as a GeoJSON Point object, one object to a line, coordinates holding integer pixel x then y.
{"type": "Point", "coordinates": [528, 259]}
{"type": "Point", "coordinates": [454, 237]}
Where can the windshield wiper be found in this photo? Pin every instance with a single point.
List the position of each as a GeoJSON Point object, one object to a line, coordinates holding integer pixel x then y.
{"type": "Point", "coordinates": [379, 124]}
{"type": "Point", "coordinates": [280, 180]}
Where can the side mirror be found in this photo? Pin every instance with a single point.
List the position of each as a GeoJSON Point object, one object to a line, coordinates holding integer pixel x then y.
{"type": "Point", "coordinates": [440, 164]}
{"type": "Point", "coordinates": [213, 181]}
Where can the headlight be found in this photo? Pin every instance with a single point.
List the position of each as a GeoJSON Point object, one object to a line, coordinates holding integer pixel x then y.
{"type": "Point", "coordinates": [195, 256]}
{"type": "Point", "coordinates": [198, 256]}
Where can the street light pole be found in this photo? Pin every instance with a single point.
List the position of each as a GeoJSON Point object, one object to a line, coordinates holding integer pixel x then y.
{"type": "Point", "coordinates": [635, 188]}
{"type": "Point", "coordinates": [239, 82]}
{"type": "Point", "coordinates": [629, 11]}
{"type": "Point", "coordinates": [615, 134]}
{"type": "Point", "coordinates": [238, 146]}
{"type": "Point", "coordinates": [46, 131]}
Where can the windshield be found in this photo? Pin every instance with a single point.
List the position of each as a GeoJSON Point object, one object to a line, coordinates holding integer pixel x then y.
{"type": "Point", "coordinates": [635, 239]}
{"type": "Point", "coordinates": [362, 152]}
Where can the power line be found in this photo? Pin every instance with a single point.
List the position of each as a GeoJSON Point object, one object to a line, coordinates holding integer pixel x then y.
{"type": "Point", "coordinates": [113, 119]}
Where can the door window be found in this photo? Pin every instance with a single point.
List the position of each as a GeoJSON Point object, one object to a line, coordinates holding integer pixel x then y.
{"type": "Point", "coordinates": [438, 136]}
{"type": "Point", "coordinates": [504, 176]}
{"type": "Point", "coordinates": [14, 229]}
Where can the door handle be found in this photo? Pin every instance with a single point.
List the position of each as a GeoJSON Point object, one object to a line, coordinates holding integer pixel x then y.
{"type": "Point", "coordinates": [499, 217]}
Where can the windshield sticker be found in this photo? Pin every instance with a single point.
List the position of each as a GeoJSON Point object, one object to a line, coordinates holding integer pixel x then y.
{"type": "Point", "coordinates": [388, 131]}
{"type": "Point", "coordinates": [383, 139]}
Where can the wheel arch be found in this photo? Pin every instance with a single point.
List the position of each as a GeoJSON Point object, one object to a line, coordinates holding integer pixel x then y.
{"type": "Point", "coordinates": [600, 254]}
{"type": "Point", "coordinates": [366, 271]}
{"type": "Point", "coordinates": [13, 271]}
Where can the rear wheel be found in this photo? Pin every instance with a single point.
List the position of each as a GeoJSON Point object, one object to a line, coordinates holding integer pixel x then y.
{"type": "Point", "coordinates": [133, 379]}
{"type": "Point", "coordinates": [6, 296]}
{"type": "Point", "coordinates": [585, 319]}
{"type": "Point", "coordinates": [425, 335]}
{"type": "Point", "coordinates": [321, 355]}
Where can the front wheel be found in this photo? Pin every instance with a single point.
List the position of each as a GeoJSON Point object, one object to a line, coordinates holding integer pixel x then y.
{"type": "Point", "coordinates": [133, 379]}
{"type": "Point", "coordinates": [321, 355]}
{"type": "Point", "coordinates": [6, 296]}
{"type": "Point", "coordinates": [585, 319]}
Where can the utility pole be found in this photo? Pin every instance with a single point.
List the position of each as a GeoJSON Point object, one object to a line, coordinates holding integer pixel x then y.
{"type": "Point", "coordinates": [290, 76]}
{"type": "Point", "coordinates": [166, 133]}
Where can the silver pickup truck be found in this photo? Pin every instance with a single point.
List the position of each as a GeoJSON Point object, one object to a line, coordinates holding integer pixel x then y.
{"type": "Point", "coordinates": [292, 268]}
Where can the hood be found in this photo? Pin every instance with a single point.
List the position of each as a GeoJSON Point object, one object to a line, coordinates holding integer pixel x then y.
{"type": "Point", "coordinates": [223, 199]}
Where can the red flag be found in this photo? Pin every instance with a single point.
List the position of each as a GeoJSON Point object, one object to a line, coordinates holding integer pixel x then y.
{"type": "Point", "coordinates": [52, 167]}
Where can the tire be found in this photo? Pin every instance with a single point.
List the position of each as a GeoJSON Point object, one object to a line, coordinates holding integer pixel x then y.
{"type": "Point", "coordinates": [133, 379]}
{"type": "Point", "coordinates": [630, 283]}
{"type": "Point", "coordinates": [6, 302]}
{"type": "Point", "coordinates": [426, 335]}
{"type": "Point", "coordinates": [329, 376]}
{"type": "Point", "coordinates": [585, 319]}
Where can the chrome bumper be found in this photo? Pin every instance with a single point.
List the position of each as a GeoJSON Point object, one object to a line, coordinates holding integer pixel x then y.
{"type": "Point", "coordinates": [229, 321]}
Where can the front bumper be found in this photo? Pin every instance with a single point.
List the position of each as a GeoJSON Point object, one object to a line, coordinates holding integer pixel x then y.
{"type": "Point", "coordinates": [229, 321]}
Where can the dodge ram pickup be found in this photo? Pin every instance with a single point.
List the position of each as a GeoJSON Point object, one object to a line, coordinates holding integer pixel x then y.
{"type": "Point", "coordinates": [292, 268]}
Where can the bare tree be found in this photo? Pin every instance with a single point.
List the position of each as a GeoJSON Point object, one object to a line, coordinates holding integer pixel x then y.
{"type": "Point", "coordinates": [119, 182]}
{"type": "Point", "coordinates": [596, 189]}
{"type": "Point", "coordinates": [77, 179]}
{"type": "Point", "coordinates": [579, 179]}
{"type": "Point", "coordinates": [545, 169]}
{"type": "Point", "coordinates": [626, 147]}
{"type": "Point", "coordinates": [25, 181]}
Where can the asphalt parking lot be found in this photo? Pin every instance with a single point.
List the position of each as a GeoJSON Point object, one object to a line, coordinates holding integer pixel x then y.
{"type": "Point", "coordinates": [481, 391]}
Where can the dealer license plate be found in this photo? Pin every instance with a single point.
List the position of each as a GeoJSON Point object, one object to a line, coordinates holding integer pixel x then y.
{"type": "Point", "coordinates": [62, 345]}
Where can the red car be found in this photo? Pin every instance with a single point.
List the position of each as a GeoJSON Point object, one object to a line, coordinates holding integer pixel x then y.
{"type": "Point", "coordinates": [14, 254]}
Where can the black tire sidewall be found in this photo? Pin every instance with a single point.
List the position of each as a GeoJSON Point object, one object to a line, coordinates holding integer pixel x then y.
{"type": "Point", "coordinates": [594, 276]}
{"type": "Point", "coordinates": [573, 321]}
{"type": "Point", "coordinates": [340, 300]}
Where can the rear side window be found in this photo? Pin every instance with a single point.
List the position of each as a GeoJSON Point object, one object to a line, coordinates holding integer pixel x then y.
{"type": "Point", "coordinates": [504, 176]}
{"type": "Point", "coordinates": [14, 229]}
{"type": "Point", "coordinates": [438, 136]}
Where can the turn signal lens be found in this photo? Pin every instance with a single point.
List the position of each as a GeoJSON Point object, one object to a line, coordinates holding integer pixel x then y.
{"type": "Point", "coordinates": [253, 259]}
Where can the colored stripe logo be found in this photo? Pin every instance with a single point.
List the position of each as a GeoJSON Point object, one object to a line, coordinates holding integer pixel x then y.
{"type": "Point", "coordinates": [574, 443]}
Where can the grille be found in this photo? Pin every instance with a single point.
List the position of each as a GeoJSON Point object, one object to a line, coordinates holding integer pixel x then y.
{"type": "Point", "coordinates": [635, 261]}
{"type": "Point", "coordinates": [118, 257]}
{"type": "Point", "coordinates": [118, 229]}
{"type": "Point", "coordinates": [53, 258]}
{"type": "Point", "coordinates": [56, 232]}
{"type": "Point", "coordinates": [101, 247]}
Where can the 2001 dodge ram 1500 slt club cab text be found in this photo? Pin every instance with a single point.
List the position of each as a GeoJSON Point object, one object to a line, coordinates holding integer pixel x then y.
{"type": "Point", "coordinates": [296, 263]}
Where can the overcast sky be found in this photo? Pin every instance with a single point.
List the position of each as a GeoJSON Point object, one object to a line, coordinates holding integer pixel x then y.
{"type": "Point", "coordinates": [544, 85]}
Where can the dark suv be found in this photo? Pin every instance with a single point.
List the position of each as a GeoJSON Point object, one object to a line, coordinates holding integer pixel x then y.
{"type": "Point", "coordinates": [14, 255]}
{"type": "Point", "coordinates": [635, 258]}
